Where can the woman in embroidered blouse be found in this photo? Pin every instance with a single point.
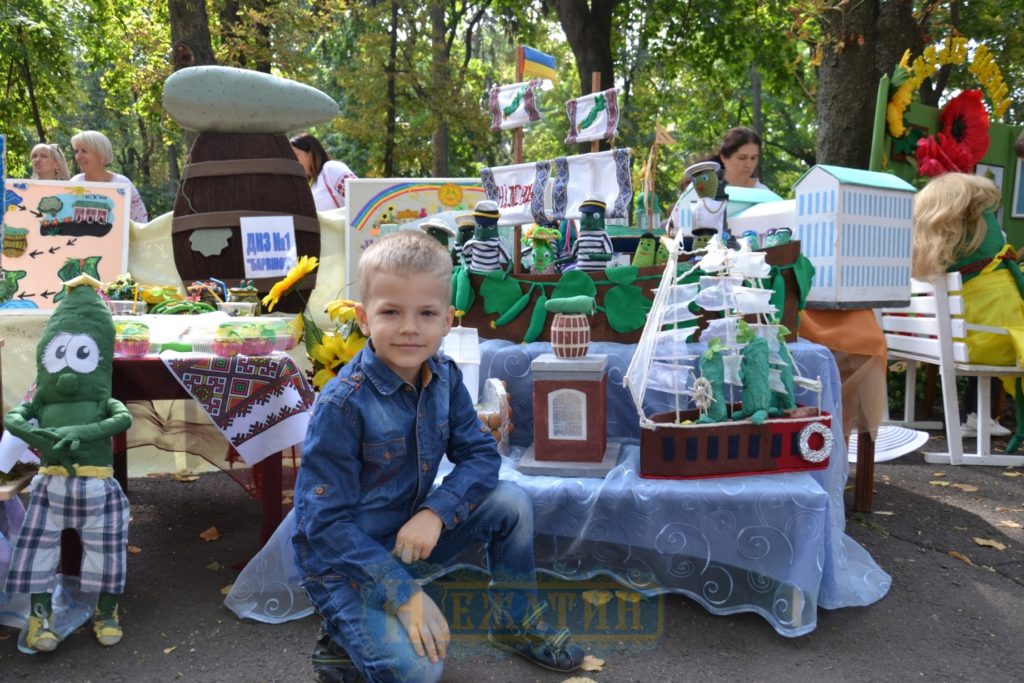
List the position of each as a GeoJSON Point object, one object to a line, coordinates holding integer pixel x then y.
{"type": "Point", "coordinates": [93, 153]}
{"type": "Point", "coordinates": [326, 176]}
{"type": "Point", "coordinates": [48, 162]}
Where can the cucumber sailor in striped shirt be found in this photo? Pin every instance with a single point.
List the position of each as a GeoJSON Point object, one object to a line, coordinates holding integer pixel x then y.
{"type": "Point", "coordinates": [485, 252]}
{"type": "Point", "coordinates": [593, 248]}
{"type": "Point", "coordinates": [466, 225]}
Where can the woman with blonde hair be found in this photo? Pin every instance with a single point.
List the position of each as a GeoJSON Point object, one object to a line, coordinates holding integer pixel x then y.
{"type": "Point", "coordinates": [93, 153]}
{"type": "Point", "coordinates": [955, 229]}
{"type": "Point", "coordinates": [48, 162]}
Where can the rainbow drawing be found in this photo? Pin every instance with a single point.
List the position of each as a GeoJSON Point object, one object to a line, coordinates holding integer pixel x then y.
{"type": "Point", "coordinates": [423, 194]}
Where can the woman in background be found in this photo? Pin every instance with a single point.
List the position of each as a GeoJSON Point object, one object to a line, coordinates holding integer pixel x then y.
{"type": "Point", "coordinates": [739, 154]}
{"type": "Point", "coordinates": [48, 163]}
{"type": "Point", "coordinates": [326, 176]}
{"type": "Point", "coordinates": [93, 153]}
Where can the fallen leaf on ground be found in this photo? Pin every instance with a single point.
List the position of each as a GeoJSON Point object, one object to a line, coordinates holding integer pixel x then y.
{"type": "Point", "coordinates": [213, 566]}
{"type": "Point", "coordinates": [134, 549]}
{"type": "Point", "coordinates": [1010, 509]}
{"type": "Point", "coordinates": [169, 650]}
{"type": "Point", "coordinates": [989, 543]}
{"type": "Point", "coordinates": [185, 477]}
{"type": "Point", "coordinates": [938, 474]}
{"type": "Point", "coordinates": [597, 598]}
{"type": "Point", "coordinates": [939, 483]}
{"type": "Point", "coordinates": [579, 679]}
{"type": "Point", "coordinates": [966, 488]}
{"type": "Point", "coordinates": [210, 534]}
{"type": "Point", "coordinates": [6, 636]}
{"type": "Point", "coordinates": [960, 556]}
{"type": "Point", "coordinates": [629, 596]}
{"type": "Point", "coordinates": [887, 513]}
{"type": "Point", "coordinates": [226, 589]}
{"type": "Point", "coordinates": [1008, 524]}
{"type": "Point", "coordinates": [591, 663]}
{"type": "Point", "coordinates": [1013, 473]}
{"type": "Point", "coordinates": [156, 475]}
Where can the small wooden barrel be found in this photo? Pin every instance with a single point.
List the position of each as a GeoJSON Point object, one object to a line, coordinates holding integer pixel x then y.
{"type": "Point", "coordinates": [231, 175]}
{"type": "Point", "coordinates": [570, 335]}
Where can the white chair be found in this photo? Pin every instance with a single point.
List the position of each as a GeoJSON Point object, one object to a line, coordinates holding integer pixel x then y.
{"type": "Point", "coordinates": [932, 330]}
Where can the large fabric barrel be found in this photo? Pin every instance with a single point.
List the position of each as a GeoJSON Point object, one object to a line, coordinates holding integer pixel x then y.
{"type": "Point", "coordinates": [231, 175]}
{"type": "Point", "coordinates": [570, 335]}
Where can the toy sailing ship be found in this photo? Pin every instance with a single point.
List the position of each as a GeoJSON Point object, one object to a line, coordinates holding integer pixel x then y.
{"type": "Point", "coordinates": [765, 431]}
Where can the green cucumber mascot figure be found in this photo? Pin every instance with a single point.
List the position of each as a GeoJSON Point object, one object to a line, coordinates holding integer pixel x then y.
{"type": "Point", "coordinates": [70, 421]}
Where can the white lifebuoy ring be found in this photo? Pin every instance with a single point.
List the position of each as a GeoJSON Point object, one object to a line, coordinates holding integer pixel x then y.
{"type": "Point", "coordinates": [815, 455]}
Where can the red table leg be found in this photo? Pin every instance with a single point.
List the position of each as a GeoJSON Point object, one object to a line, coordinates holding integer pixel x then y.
{"type": "Point", "coordinates": [269, 473]}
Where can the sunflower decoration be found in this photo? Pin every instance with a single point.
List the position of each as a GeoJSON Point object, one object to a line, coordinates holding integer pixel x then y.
{"type": "Point", "coordinates": [331, 349]}
{"type": "Point", "coordinates": [284, 286]}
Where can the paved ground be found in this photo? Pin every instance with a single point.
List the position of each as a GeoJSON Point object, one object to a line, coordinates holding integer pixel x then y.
{"type": "Point", "coordinates": [943, 620]}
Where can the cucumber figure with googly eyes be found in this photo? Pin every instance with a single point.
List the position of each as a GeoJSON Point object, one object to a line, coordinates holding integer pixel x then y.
{"type": "Point", "coordinates": [70, 421]}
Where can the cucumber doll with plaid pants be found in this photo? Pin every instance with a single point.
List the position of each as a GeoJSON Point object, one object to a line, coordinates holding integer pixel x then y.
{"type": "Point", "coordinates": [70, 421]}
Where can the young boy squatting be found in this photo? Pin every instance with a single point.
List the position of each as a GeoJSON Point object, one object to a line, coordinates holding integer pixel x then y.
{"type": "Point", "coordinates": [367, 521]}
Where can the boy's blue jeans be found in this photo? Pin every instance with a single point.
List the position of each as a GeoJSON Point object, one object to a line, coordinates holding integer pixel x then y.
{"type": "Point", "coordinates": [377, 641]}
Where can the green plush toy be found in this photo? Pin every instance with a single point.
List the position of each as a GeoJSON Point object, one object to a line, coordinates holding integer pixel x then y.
{"type": "Point", "coordinates": [70, 421]}
{"type": "Point", "coordinates": [645, 250]}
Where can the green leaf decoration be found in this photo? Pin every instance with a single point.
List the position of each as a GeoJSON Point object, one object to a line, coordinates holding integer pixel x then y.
{"type": "Point", "coordinates": [574, 283]}
{"type": "Point", "coordinates": [537, 319]}
{"type": "Point", "coordinates": [499, 291]}
{"type": "Point", "coordinates": [804, 270]}
{"type": "Point", "coordinates": [715, 345]}
{"type": "Point", "coordinates": [622, 275]}
{"type": "Point", "coordinates": [745, 333]}
{"type": "Point", "coordinates": [626, 308]}
{"type": "Point", "coordinates": [312, 335]}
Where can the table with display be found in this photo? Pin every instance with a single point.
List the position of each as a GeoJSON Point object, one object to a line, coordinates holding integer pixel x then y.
{"type": "Point", "coordinates": [260, 404]}
{"type": "Point", "coordinates": [771, 544]}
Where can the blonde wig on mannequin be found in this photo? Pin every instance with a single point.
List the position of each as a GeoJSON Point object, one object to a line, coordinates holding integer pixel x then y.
{"type": "Point", "coordinates": [948, 221]}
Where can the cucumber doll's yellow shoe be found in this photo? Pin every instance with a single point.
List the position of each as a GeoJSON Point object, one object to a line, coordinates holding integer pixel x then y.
{"type": "Point", "coordinates": [41, 637]}
{"type": "Point", "coordinates": [106, 627]}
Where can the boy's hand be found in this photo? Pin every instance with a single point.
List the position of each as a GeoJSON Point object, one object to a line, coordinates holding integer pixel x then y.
{"type": "Point", "coordinates": [426, 626]}
{"type": "Point", "coordinates": [417, 537]}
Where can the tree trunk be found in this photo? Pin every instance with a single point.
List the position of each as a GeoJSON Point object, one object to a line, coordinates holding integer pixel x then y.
{"type": "Point", "coordinates": [589, 32]}
{"type": "Point", "coordinates": [391, 107]}
{"type": "Point", "coordinates": [190, 33]}
{"type": "Point", "coordinates": [862, 41]}
{"type": "Point", "coordinates": [440, 80]}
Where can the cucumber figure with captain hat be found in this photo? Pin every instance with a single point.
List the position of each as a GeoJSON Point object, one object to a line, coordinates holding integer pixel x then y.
{"type": "Point", "coordinates": [485, 252]}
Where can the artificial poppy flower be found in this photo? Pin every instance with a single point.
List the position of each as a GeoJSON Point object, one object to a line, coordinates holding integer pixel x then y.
{"type": "Point", "coordinates": [964, 120]}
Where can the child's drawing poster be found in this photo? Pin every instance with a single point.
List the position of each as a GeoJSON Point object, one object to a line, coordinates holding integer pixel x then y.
{"type": "Point", "coordinates": [55, 230]}
{"type": "Point", "coordinates": [373, 205]}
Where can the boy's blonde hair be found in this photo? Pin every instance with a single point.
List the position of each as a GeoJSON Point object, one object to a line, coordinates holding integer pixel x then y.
{"type": "Point", "coordinates": [406, 252]}
{"type": "Point", "coordinates": [948, 221]}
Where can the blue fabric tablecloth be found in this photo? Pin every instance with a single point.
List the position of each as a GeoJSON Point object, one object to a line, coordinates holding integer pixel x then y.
{"type": "Point", "coordinates": [773, 544]}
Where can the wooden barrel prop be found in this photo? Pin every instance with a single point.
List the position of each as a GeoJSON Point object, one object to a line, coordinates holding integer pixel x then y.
{"type": "Point", "coordinates": [231, 175]}
{"type": "Point", "coordinates": [570, 335]}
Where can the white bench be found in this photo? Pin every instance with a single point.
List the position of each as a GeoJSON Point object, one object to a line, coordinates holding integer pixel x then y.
{"type": "Point", "coordinates": [932, 330]}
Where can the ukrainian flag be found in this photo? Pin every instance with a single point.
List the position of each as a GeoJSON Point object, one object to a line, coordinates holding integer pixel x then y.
{"type": "Point", "coordinates": [535, 64]}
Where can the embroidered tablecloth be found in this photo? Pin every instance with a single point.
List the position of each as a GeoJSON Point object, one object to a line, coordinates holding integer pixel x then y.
{"type": "Point", "coordinates": [260, 403]}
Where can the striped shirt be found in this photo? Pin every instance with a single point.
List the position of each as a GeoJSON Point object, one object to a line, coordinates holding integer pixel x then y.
{"type": "Point", "coordinates": [485, 255]}
{"type": "Point", "coordinates": [591, 242]}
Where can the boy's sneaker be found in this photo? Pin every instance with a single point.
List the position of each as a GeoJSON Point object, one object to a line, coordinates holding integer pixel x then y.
{"type": "Point", "coordinates": [537, 642]}
{"type": "Point", "coordinates": [331, 664]}
{"type": "Point", "coordinates": [107, 627]}
{"type": "Point", "coordinates": [40, 635]}
{"type": "Point", "coordinates": [970, 427]}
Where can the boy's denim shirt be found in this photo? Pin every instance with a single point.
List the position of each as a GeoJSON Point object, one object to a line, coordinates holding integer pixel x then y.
{"type": "Point", "coordinates": [370, 457]}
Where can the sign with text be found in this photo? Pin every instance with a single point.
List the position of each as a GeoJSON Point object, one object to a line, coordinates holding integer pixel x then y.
{"type": "Point", "coordinates": [269, 244]}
